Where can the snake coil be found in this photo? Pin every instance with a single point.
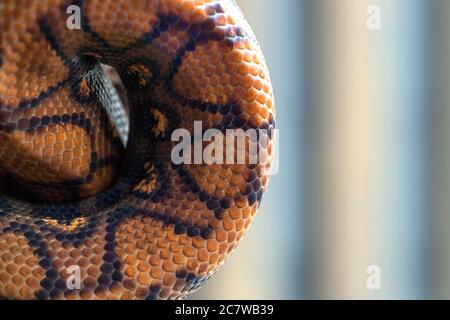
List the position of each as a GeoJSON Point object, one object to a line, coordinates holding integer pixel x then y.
{"type": "Point", "coordinates": [92, 205]}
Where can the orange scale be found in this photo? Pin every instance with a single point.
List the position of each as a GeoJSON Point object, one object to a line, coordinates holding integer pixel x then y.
{"type": "Point", "coordinates": [24, 271]}
{"type": "Point", "coordinates": [223, 247]}
{"type": "Point", "coordinates": [156, 273]}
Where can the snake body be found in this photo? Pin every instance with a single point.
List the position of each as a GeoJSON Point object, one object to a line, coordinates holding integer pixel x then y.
{"type": "Point", "coordinates": [89, 187]}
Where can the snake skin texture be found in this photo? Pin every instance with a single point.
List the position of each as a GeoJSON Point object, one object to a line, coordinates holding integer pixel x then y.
{"type": "Point", "coordinates": [86, 182]}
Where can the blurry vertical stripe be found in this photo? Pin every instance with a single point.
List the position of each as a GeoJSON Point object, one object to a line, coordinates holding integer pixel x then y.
{"type": "Point", "coordinates": [342, 165]}
{"type": "Point", "coordinates": [439, 275]}
{"type": "Point", "coordinates": [268, 263]}
{"type": "Point", "coordinates": [398, 223]}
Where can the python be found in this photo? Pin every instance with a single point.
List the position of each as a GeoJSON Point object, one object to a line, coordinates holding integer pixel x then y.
{"type": "Point", "coordinates": [136, 224]}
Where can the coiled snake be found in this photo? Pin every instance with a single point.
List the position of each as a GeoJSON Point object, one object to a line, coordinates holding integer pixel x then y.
{"type": "Point", "coordinates": [129, 222]}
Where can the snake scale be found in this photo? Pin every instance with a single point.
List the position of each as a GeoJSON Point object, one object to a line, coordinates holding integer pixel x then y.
{"type": "Point", "coordinates": [89, 188]}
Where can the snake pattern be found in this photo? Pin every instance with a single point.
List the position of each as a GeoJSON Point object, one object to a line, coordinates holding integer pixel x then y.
{"type": "Point", "coordinates": [88, 180]}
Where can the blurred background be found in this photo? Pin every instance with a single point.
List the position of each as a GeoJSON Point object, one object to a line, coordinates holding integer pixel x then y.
{"type": "Point", "coordinates": [364, 179]}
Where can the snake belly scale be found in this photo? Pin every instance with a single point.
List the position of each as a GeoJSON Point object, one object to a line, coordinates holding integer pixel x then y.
{"type": "Point", "coordinates": [87, 182]}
